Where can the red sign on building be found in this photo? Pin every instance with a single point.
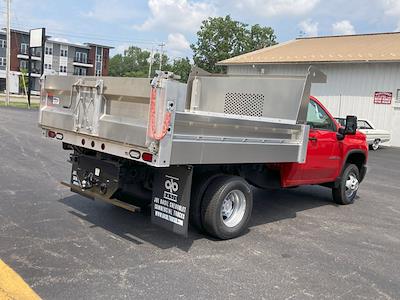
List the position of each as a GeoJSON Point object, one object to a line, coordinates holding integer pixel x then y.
{"type": "Point", "coordinates": [383, 97]}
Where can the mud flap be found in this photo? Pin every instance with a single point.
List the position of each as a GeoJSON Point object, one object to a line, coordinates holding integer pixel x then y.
{"type": "Point", "coordinates": [171, 198]}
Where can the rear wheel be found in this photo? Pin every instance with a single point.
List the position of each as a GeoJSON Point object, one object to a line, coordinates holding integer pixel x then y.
{"type": "Point", "coordinates": [346, 192]}
{"type": "Point", "coordinates": [226, 207]}
{"type": "Point", "coordinates": [375, 145]}
{"type": "Point", "coordinates": [200, 184]}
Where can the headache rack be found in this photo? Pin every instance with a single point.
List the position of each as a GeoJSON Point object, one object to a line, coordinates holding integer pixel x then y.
{"type": "Point", "coordinates": [213, 119]}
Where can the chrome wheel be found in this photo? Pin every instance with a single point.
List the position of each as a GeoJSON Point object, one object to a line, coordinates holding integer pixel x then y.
{"type": "Point", "coordinates": [233, 208]}
{"type": "Point", "coordinates": [375, 145]}
{"type": "Point", "coordinates": [352, 185]}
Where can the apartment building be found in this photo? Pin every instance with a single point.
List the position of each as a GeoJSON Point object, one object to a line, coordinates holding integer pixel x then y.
{"type": "Point", "coordinates": [60, 58]}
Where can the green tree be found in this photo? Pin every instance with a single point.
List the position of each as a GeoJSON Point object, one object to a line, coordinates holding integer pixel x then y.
{"type": "Point", "coordinates": [221, 38]}
{"type": "Point", "coordinates": [261, 37]}
{"type": "Point", "coordinates": [134, 62]}
{"type": "Point", "coordinates": [116, 65]}
{"type": "Point", "coordinates": [181, 67]}
{"type": "Point", "coordinates": [23, 82]}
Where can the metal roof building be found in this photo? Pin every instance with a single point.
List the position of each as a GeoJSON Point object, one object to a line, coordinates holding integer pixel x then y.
{"type": "Point", "coordinates": [358, 68]}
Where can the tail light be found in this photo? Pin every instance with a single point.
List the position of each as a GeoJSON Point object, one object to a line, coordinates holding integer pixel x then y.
{"type": "Point", "coordinates": [51, 134]}
{"type": "Point", "coordinates": [147, 157]}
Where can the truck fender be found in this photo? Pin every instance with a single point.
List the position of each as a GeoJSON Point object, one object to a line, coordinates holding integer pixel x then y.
{"type": "Point", "coordinates": [362, 167]}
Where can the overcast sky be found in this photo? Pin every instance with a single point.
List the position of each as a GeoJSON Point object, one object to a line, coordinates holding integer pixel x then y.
{"type": "Point", "coordinates": [120, 23]}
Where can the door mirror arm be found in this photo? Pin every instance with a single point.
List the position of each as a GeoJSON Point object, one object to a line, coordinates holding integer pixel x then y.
{"type": "Point", "coordinates": [341, 134]}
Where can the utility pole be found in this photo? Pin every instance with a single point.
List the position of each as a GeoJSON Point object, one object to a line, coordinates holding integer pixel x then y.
{"type": "Point", "coordinates": [161, 53]}
{"type": "Point", "coordinates": [151, 61]}
{"type": "Point", "coordinates": [8, 52]}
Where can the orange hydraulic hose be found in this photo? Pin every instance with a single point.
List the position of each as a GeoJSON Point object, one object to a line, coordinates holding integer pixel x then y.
{"type": "Point", "coordinates": [152, 122]}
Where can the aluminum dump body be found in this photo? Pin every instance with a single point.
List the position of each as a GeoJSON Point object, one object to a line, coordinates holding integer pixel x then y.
{"type": "Point", "coordinates": [210, 120]}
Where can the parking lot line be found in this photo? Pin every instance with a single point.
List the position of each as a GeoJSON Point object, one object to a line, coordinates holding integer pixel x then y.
{"type": "Point", "coordinates": [12, 286]}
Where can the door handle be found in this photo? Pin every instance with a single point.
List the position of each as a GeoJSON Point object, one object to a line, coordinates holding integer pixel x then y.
{"type": "Point", "coordinates": [314, 139]}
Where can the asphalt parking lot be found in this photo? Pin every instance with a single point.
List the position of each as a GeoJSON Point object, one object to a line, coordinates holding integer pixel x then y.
{"type": "Point", "coordinates": [300, 245]}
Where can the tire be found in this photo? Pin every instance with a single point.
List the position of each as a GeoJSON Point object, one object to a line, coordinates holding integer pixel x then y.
{"type": "Point", "coordinates": [200, 184]}
{"type": "Point", "coordinates": [226, 207]}
{"type": "Point", "coordinates": [375, 145]}
{"type": "Point", "coordinates": [346, 192]}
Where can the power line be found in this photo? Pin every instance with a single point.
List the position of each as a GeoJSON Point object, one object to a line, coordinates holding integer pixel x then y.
{"type": "Point", "coordinates": [93, 36]}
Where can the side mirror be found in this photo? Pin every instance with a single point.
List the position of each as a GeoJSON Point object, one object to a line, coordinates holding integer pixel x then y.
{"type": "Point", "coordinates": [351, 125]}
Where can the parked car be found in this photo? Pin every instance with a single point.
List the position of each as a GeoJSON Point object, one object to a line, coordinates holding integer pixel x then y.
{"type": "Point", "coordinates": [375, 137]}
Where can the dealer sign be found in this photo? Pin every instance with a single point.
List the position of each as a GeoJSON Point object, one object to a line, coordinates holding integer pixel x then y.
{"type": "Point", "coordinates": [383, 97]}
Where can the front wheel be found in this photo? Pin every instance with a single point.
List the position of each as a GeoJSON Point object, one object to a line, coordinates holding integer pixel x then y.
{"type": "Point", "coordinates": [347, 189]}
{"type": "Point", "coordinates": [375, 145]}
{"type": "Point", "coordinates": [226, 207]}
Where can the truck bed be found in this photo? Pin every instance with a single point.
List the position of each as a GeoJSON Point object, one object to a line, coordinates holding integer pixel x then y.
{"type": "Point", "coordinates": [212, 119]}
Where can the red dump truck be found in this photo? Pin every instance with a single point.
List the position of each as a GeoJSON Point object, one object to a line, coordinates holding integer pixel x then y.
{"type": "Point", "coordinates": [193, 151]}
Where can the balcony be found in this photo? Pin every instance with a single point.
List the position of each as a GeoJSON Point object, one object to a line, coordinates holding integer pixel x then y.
{"type": "Point", "coordinates": [36, 55]}
{"type": "Point", "coordinates": [82, 62]}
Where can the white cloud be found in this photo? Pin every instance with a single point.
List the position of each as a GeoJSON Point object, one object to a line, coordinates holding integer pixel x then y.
{"type": "Point", "coordinates": [177, 44]}
{"type": "Point", "coordinates": [343, 28]}
{"type": "Point", "coordinates": [271, 8]}
{"type": "Point", "coordinates": [309, 28]}
{"type": "Point", "coordinates": [110, 11]}
{"type": "Point", "coordinates": [183, 15]}
{"type": "Point", "coordinates": [392, 8]}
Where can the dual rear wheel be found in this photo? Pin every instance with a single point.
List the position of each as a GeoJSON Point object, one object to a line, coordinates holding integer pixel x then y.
{"type": "Point", "coordinates": [222, 205]}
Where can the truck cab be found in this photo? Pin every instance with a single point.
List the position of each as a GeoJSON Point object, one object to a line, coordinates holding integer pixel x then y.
{"type": "Point", "coordinates": [330, 150]}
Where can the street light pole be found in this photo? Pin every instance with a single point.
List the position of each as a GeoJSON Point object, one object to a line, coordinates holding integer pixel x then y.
{"type": "Point", "coordinates": [8, 52]}
{"type": "Point", "coordinates": [161, 53]}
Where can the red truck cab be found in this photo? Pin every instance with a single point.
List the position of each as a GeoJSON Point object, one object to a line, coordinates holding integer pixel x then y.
{"type": "Point", "coordinates": [331, 155]}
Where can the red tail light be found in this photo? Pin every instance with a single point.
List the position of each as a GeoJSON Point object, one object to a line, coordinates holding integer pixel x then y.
{"type": "Point", "coordinates": [147, 157]}
{"type": "Point", "coordinates": [51, 134]}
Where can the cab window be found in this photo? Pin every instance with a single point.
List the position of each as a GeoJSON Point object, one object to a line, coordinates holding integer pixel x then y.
{"type": "Point", "coordinates": [317, 118]}
{"type": "Point", "coordinates": [363, 125]}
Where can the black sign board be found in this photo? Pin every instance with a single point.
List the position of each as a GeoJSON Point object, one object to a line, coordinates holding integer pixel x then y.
{"type": "Point", "coordinates": [171, 198]}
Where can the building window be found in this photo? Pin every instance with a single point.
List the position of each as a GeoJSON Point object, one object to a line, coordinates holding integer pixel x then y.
{"type": "Point", "coordinates": [98, 58]}
{"type": "Point", "coordinates": [64, 52]}
{"type": "Point", "coordinates": [397, 101]}
{"type": "Point", "coordinates": [23, 65]}
{"type": "Point", "coordinates": [3, 61]}
{"type": "Point", "coordinates": [80, 71]}
{"type": "Point", "coordinates": [63, 69]}
{"type": "Point", "coordinates": [47, 66]}
{"type": "Point", "coordinates": [98, 72]}
{"type": "Point", "coordinates": [49, 51]}
{"type": "Point", "coordinates": [3, 43]}
{"type": "Point", "coordinates": [24, 48]}
{"type": "Point", "coordinates": [81, 57]}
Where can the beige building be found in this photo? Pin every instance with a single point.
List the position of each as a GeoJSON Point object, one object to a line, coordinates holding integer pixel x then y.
{"type": "Point", "coordinates": [358, 67]}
